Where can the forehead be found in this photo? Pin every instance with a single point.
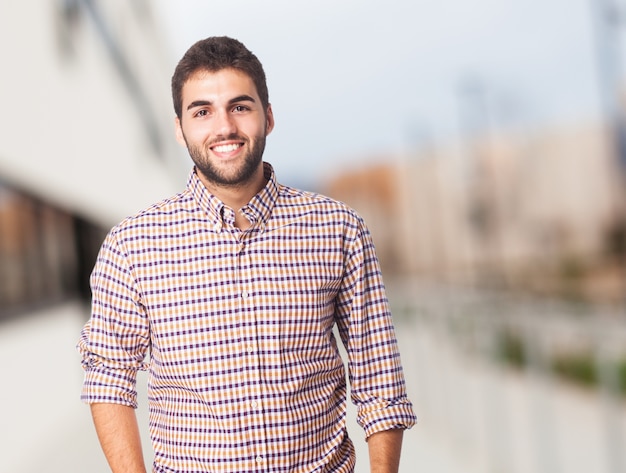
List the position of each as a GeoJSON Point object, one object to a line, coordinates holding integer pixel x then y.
{"type": "Point", "coordinates": [225, 83]}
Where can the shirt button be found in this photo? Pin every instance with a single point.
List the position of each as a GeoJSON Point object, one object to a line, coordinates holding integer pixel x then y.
{"type": "Point", "coordinates": [254, 404]}
{"type": "Point", "coordinates": [250, 349]}
{"type": "Point", "coordinates": [244, 295]}
{"type": "Point", "coordinates": [259, 459]}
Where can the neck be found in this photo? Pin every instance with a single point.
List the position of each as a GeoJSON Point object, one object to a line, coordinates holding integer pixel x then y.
{"type": "Point", "coordinates": [238, 195]}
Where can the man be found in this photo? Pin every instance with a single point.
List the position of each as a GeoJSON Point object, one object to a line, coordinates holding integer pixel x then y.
{"type": "Point", "coordinates": [233, 287]}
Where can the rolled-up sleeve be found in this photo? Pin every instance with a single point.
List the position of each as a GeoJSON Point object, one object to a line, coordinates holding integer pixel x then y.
{"type": "Point", "coordinates": [115, 341]}
{"type": "Point", "coordinates": [365, 325]}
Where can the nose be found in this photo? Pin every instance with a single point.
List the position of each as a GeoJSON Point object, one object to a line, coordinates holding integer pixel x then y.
{"type": "Point", "coordinates": [224, 124]}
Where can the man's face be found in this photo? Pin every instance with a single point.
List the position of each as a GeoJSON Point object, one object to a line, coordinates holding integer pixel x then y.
{"type": "Point", "coordinates": [223, 124]}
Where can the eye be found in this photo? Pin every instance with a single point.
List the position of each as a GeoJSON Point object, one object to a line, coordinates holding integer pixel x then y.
{"type": "Point", "coordinates": [240, 108]}
{"type": "Point", "coordinates": [201, 113]}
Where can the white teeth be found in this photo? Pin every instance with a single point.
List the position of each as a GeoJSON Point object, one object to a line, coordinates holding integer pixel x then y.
{"type": "Point", "coordinates": [225, 148]}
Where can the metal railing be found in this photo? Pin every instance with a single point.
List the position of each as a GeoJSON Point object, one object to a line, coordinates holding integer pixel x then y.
{"type": "Point", "coordinates": [513, 384]}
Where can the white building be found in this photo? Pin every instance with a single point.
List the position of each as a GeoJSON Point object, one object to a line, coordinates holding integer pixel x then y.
{"type": "Point", "coordinates": [87, 132]}
{"type": "Point", "coordinates": [541, 211]}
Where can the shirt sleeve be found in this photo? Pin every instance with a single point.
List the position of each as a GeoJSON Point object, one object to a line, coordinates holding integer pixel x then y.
{"type": "Point", "coordinates": [365, 325]}
{"type": "Point", "coordinates": [114, 342]}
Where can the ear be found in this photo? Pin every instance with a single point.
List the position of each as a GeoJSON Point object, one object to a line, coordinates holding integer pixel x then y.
{"type": "Point", "coordinates": [180, 137]}
{"type": "Point", "coordinates": [269, 120]}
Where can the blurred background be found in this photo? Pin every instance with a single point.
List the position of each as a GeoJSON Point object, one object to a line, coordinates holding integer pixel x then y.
{"type": "Point", "coordinates": [483, 141]}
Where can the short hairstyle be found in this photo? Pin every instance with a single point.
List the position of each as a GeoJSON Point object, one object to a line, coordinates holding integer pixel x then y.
{"type": "Point", "coordinates": [214, 54]}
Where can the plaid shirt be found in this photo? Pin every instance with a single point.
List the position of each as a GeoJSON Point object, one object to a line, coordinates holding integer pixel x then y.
{"type": "Point", "coordinates": [244, 370]}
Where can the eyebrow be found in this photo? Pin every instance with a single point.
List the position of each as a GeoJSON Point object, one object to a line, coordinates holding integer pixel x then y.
{"type": "Point", "coordinates": [203, 103]}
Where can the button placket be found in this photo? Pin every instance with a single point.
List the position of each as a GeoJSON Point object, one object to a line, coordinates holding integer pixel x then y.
{"type": "Point", "coordinates": [252, 405]}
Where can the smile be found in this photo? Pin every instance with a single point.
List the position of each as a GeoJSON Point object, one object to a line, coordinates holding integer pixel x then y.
{"type": "Point", "coordinates": [226, 148]}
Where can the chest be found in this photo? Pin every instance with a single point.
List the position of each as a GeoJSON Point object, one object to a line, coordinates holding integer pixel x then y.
{"type": "Point", "coordinates": [208, 289]}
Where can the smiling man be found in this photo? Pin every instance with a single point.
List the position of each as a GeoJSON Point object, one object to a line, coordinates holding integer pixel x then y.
{"type": "Point", "coordinates": [223, 122]}
{"type": "Point", "coordinates": [228, 293]}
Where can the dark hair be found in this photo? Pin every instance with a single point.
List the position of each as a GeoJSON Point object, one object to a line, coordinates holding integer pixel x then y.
{"type": "Point", "coordinates": [214, 54]}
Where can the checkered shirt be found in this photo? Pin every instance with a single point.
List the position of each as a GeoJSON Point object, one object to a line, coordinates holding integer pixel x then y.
{"type": "Point", "coordinates": [236, 331]}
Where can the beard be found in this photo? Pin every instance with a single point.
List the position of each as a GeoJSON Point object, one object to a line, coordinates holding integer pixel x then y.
{"type": "Point", "coordinates": [235, 177]}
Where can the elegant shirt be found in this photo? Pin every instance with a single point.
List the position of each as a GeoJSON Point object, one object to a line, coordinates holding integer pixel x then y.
{"type": "Point", "coordinates": [235, 329]}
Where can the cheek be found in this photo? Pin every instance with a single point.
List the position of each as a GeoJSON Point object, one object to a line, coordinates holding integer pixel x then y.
{"type": "Point", "coordinates": [194, 134]}
{"type": "Point", "coordinates": [255, 129]}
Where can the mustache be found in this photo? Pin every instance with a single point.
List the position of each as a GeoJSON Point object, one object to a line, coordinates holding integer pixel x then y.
{"type": "Point", "coordinates": [220, 138]}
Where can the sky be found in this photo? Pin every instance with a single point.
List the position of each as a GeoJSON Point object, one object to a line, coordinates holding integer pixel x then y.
{"type": "Point", "coordinates": [358, 81]}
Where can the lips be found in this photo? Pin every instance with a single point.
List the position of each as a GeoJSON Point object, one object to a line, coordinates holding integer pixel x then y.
{"type": "Point", "coordinates": [227, 148]}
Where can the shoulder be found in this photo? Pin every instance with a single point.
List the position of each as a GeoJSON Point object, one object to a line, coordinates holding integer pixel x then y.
{"type": "Point", "coordinates": [317, 210]}
{"type": "Point", "coordinates": [161, 215]}
{"type": "Point", "coordinates": [307, 201]}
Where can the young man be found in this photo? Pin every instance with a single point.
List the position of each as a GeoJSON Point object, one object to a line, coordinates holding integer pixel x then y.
{"type": "Point", "coordinates": [233, 287]}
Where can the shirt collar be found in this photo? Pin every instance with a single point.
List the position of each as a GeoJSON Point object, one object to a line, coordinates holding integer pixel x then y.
{"type": "Point", "coordinates": [258, 209]}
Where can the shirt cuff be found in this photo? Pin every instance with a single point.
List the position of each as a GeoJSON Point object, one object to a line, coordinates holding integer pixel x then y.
{"type": "Point", "coordinates": [102, 385]}
{"type": "Point", "coordinates": [386, 415]}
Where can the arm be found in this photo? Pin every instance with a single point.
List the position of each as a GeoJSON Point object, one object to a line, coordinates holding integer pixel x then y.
{"type": "Point", "coordinates": [118, 433]}
{"type": "Point", "coordinates": [377, 381]}
{"type": "Point", "coordinates": [384, 449]}
{"type": "Point", "coordinates": [113, 345]}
